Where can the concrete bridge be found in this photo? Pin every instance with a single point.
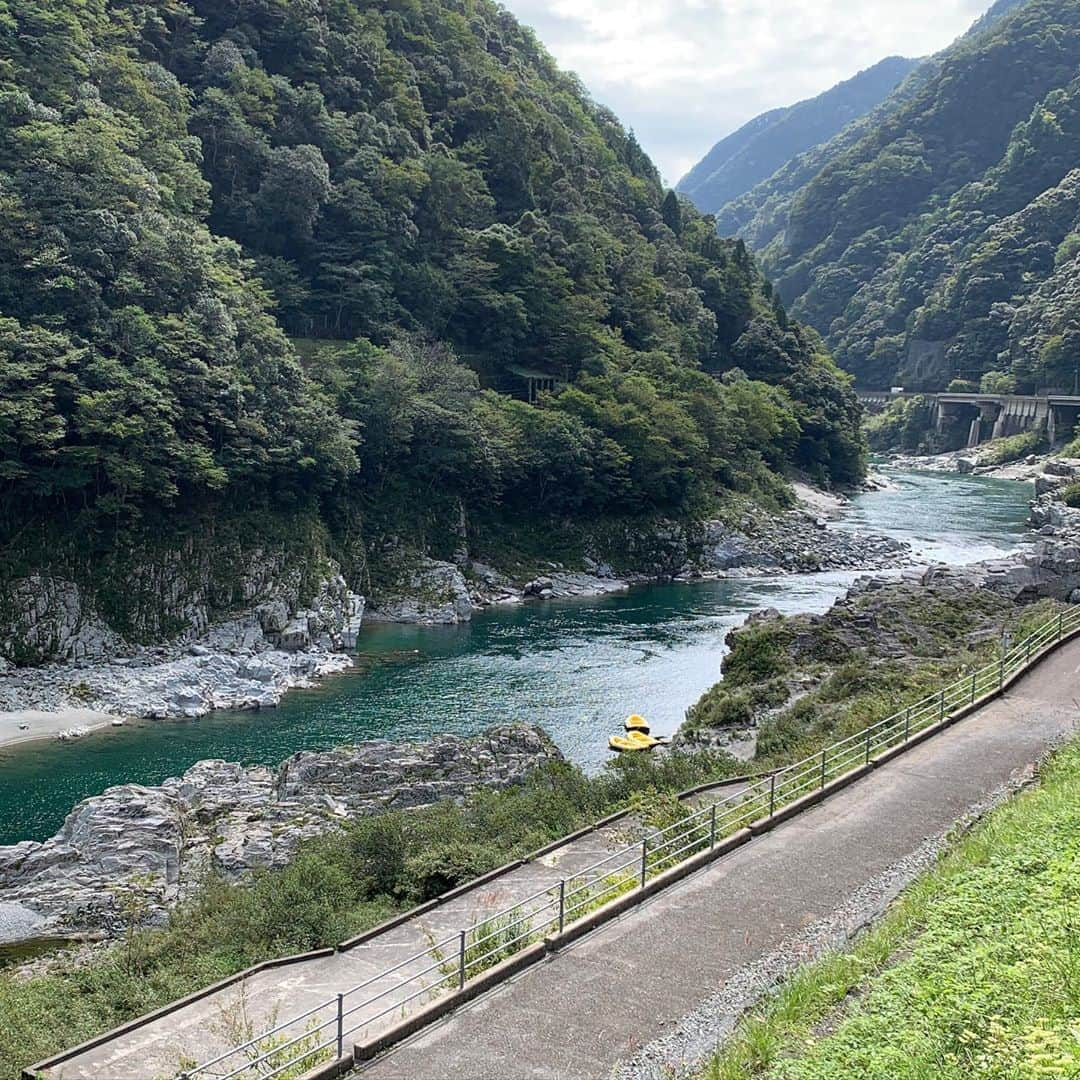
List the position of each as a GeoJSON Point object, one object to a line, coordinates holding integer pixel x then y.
{"type": "Point", "coordinates": [991, 416]}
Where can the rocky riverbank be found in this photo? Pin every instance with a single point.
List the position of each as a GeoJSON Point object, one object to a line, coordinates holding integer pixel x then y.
{"type": "Point", "coordinates": [803, 540]}
{"type": "Point", "coordinates": [788, 676]}
{"type": "Point", "coordinates": [142, 849]}
{"type": "Point", "coordinates": [282, 642]}
{"type": "Point", "coordinates": [975, 461]}
{"type": "Point", "coordinates": [248, 662]}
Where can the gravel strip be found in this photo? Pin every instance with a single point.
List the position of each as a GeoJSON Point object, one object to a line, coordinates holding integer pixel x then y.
{"type": "Point", "coordinates": [684, 1050]}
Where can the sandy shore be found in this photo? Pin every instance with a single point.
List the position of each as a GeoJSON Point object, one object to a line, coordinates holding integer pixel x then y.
{"type": "Point", "coordinates": [29, 724]}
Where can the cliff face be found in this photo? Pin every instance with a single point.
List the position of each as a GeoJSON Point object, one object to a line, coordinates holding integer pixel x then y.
{"type": "Point", "coordinates": [263, 579]}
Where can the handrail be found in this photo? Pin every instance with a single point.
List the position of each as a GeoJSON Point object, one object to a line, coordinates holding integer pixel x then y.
{"type": "Point", "coordinates": [701, 830]}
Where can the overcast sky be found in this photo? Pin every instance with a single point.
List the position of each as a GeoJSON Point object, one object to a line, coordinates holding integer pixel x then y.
{"type": "Point", "coordinates": [685, 73]}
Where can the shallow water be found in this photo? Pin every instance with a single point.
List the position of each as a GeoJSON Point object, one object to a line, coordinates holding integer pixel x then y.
{"type": "Point", "coordinates": [576, 667]}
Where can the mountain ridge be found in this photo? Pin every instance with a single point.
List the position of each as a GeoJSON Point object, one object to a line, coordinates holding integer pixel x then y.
{"type": "Point", "coordinates": [756, 150]}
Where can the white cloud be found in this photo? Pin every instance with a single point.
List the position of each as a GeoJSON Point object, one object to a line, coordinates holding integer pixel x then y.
{"type": "Point", "coordinates": [685, 73]}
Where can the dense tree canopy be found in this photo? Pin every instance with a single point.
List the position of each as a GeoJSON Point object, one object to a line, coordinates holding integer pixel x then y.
{"type": "Point", "coordinates": [260, 250]}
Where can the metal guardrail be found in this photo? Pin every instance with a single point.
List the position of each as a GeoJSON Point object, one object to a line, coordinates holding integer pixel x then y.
{"type": "Point", "coordinates": [319, 1035]}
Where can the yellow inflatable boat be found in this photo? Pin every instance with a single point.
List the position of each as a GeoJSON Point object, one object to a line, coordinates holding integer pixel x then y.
{"type": "Point", "coordinates": [636, 723]}
{"type": "Point", "coordinates": [623, 744]}
{"type": "Point", "coordinates": [643, 738]}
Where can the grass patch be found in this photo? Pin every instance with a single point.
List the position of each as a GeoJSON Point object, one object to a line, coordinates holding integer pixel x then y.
{"type": "Point", "coordinates": [974, 973]}
{"type": "Point", "coordinates": [1014, 447]}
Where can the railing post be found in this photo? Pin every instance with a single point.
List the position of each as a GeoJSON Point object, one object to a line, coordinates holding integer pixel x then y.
{"type": "Point", "coordinates": [941, 710]}
{"type": "Point", "coordinates": [1029, 649]}
{"type": "Point", "coordinates": [823, 752]}
{"type": "Point", "coordinates": [972, 688]}
{"type": "Point", "coordinates": [907, 724]}
{"type": "Point", "coordinates": [644, 860]}
{"type": "Point", "coordinates": [772, 795]}
{"type": "Point", "coordinates": [1061, 624]}
{"type": "Point", "coordinates": [712, 827]}
{"type": "Point", "coordinates": [461, 960]}
{"type": "Point", "coordinates": [867, 746]}
{"type": "Point", "coordinates": [562, 904]}
{"type": "Point", "coordinates": [1001, 671]}
{"type": "Point", "coordinates": [341, 1025]}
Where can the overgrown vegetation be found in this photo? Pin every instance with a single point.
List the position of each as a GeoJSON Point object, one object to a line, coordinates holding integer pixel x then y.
{"type": "Point", "coordinates": [1014, 447]}
{"type": "Point", "coordinates": [294, 254]}
{"type": "Point", "coordinates": [974, 974]}
{"type": "Point", "coordinates": [803, 681]}
{"type": "Point", "coordinates": [904, 424]}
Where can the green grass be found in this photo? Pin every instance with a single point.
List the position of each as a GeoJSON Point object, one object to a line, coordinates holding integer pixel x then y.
{"type": "Point", "coordinates": [1013, 447]}
{"type": "Point", "coordinates": [974, 974]}
{"type": "Point", "coordinates": [842, 688]}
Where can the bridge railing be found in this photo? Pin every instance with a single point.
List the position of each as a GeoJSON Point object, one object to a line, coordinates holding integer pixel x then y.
{"type": "Point", "coordinates": [321, 1033]}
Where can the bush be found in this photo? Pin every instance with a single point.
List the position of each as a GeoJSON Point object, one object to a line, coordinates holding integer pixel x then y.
{"type": "Point", "coordinates": [1013, 448]}
{"type": "Point", "coordinates": [1070, 494]}
{"type": "Point", "coordinates": [721, 707]}
{"type": "Point", "coordinates": [758, 651]}
{"type": "Point", "coordinates": [998, 382]}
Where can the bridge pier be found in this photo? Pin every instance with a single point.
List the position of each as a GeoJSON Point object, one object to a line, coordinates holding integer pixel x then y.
{"type": "Point", "coordinates": [970, 419]}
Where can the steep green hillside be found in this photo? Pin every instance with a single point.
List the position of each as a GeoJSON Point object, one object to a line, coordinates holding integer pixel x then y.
{"type": "Point", "coordinates": [415, 190]}
{"type": "Point", "coordinates": [754, 152]}
{"type": "Point", "coordinates": [933, 239]}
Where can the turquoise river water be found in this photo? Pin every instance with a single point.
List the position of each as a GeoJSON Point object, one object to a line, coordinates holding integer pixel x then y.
{"type": "Point", "coordinates": [575, 667]}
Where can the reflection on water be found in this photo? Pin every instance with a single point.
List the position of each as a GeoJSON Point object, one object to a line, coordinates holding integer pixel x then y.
{"type": "Point", "coordinates": [576, 667]}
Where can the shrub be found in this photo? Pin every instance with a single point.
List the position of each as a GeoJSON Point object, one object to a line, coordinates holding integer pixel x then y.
{"type": "Point", "coordinates": [721, 707]}
{"type": "Point", "coordinates": [998, 382]}
{"type": "Point", "coordinates": [1070, 494]}
{"type": "Point", "coordinates": [758, 651]}
{"type": "Point", "coordinates": [1015, 447]}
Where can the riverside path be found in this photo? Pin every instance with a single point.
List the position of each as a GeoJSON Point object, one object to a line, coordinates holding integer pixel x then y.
{"type": "Point", "coordinates": [579, 1014]}
{"type": "Point", "coordinates": [624, 985]}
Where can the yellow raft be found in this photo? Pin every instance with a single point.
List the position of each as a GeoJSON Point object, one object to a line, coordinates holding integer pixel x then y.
{"type": "Point", "coordinates": [636, 723]}
{"type": "Point", "coordinates": [624, 745]}
{"type": "Point", "coordinates": [633, 742]}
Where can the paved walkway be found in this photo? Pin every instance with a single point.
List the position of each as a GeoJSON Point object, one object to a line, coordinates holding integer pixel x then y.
{"type": "Point", "coordinates": [205, 1028]}
{"type": "Point", "coordinates": [578, 1015]}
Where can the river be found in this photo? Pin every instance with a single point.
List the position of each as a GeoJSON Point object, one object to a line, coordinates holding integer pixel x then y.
{"type": "Point", "coordinates": [575, 667]}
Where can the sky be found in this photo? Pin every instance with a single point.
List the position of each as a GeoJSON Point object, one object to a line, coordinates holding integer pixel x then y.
{"type": "Point", "coordinates": [685, 73]}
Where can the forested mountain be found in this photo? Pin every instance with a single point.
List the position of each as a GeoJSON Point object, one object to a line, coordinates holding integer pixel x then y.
{"type": "Point", "coordinates": [260, 253]}
{"type": "Point", "coordinates": [754, 152]}
{"type": "Point", "coordinates": [760, 215]}
{"type": "Point", "coordinates": [938, 238]}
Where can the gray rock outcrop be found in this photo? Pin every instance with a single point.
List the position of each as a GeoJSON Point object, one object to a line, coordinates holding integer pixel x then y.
{"type": "Point", "coordinates": [429, 592]}
{"type": "Point", "coordinates": [133, 851]}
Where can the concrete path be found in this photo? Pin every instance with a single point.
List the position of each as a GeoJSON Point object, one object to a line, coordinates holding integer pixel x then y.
{"type": "Point", "coordinates": [578, 1015]}
{"type": "Point", "coordinates": [197, 1032]}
